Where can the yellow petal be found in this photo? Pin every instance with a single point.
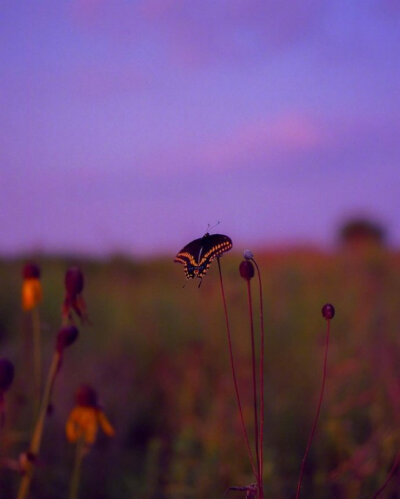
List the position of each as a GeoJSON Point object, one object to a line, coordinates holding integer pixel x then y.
{"type": "Point", "coordinates": [105, 424]}
{"type": "Point", "coordinates": [31, 293]}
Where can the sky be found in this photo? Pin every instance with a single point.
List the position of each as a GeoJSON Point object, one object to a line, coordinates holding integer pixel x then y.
{"type": "Point", "coordinates": [130, 126]}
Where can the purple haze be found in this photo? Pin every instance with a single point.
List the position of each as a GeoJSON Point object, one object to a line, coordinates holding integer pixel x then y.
{"type": "Point", "coordinates": [129, 126]}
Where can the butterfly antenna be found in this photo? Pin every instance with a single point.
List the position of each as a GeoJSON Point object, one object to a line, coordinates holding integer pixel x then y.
{"type": "Point", "coordinates": [201, 280]}
{"type": "Point", "coordinates": [209, 227]}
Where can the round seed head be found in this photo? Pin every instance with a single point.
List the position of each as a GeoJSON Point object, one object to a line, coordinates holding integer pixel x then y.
{"type": "Point", "coordinates": [246, 269]}
{"type": "Point", "coordinates": [6, 374]}
{"type": "Point", "coordinates": [328, 311]}
{"type": "Point", "coordinates": [30, 271]}
{"type": "Point", "coordinates": [74, 281]}
{"type": "Point", "coordinates": [65, 337]}
{"type": "Point", "coordinates": [248, 254]}
{"type": "Point", "coordinates": [86, 396]}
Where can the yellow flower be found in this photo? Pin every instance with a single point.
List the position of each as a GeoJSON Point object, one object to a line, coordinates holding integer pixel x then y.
{"type": "Point", "coordinates": [84, 421]}
{"type": "Point", "coordinates": [31, 293]}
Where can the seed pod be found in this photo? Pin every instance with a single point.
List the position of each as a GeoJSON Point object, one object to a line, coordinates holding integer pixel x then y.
{"type": "Point", "coordinates": [86, 396]}
{"type": "Point", "coordinates": [6, 374]}
{"type": "Point", "coordinates": [246, 269]}
{"type": "Point", "coordinates": [74, 281]}
{"type": "Point", "coordinates": [248, 254]}
{"type": "Point", "coordinates": [65, 337]}
{"type": "Point", "coordinates": [328, 311]}
{"type": "Point", "coordinates": [31, 271]}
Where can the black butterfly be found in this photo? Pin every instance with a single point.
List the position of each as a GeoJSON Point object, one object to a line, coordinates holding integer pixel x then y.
{"type": "Point", "coordinates": [198, 254]}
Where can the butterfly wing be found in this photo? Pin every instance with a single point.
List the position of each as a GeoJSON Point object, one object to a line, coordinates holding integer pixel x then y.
{"type": "Point", "coordinates": [198, 254]}
{"type": "Point", "coordinates": [187, 255]}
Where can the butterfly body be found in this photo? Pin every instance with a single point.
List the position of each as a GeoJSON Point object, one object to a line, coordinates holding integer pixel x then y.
{"type": "Point", "coordinates": [198, 254]}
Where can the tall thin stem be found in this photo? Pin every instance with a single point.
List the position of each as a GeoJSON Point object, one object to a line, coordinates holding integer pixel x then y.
{"type": "Point", "coordinates": [37, 357]}
{"type": "Point", "coordinates": [76, 472]}
{"type": "Point", "coordinates": [253, 365]}
{"type": "Point", "coordinates": [235, 383]}
{"type": "Point", "coordinates": [392, 471]}
{"type": "Point", "coordinates": [314, 426]}
{"type": "Point", "coordinates": [38, 431]}
{"type": "Point", "coordinates": [262, 336]}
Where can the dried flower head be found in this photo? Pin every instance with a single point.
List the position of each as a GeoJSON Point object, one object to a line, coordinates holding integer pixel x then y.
{"type": "Point", "coordinates": [6, 374]}
{"type": "Point", "coordinates": [86, 418]}
{"type": "Point", "coordinates": [328, 311]}
{"type": "Point", "coordinates": [65, 337]}
{"type": "Point", "coordinates": [74, 283]}
{"type": "Point", "coordinates": [86, 396]}
{"type": "Point", "coordinates": [31, 271]}
{"type": "Point", "coordinates": [31, 286]}
{"type": "Point", "coordinates": [246, 269]}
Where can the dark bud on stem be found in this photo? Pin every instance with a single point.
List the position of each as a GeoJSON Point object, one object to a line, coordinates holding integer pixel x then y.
{"type": "Point", "coordinates": [65, 337]}
{"type": "Point", "coordinates": [246, 269]}
{"type": "Point", "coordinates": [6, 374]}
{"type": "Point", "coordinates": [31, 271]}
{"type": "Point", "coordinates": [328, 311]}
{"type": "Point", "coordinates": [74, 281]}
{"type": "Point", "coordinates": [86, 396]}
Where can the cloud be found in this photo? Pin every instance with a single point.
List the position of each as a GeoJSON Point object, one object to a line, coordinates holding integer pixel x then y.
{"type": "Point", "coordinates": [288, 134]}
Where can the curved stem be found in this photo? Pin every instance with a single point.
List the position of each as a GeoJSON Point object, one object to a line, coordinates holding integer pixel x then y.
{"type": "Point", "coordinates": [392, 471]}
{"type": "Point", "coordinates": [262, 336]}
{"type": "Point", "coordinates": [235, 383]}
{"type": "Point", "coordinates": [314, 426]}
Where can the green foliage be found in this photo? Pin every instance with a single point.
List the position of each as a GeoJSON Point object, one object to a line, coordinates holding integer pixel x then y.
{"type": "Point", "coordinates": [157, 354]}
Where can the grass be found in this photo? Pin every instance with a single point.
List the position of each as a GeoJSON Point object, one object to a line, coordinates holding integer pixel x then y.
{"type": "Point", "coordinates": [157, 354]}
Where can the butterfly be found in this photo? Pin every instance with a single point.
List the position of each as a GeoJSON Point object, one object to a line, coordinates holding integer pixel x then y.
{"type": "Point", "coordinates": [198, 254]}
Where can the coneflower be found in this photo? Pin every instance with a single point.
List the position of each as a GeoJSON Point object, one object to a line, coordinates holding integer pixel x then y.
{"type": "Point", "coordinates": [31, 297]}
{"type": "Point", "coordinates": [82, 428]}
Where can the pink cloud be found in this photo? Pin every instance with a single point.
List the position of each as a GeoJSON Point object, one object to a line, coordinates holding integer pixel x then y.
{"type": "Point", "coordinates": [287, 134]}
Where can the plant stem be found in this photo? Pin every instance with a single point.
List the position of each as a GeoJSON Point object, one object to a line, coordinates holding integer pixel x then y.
{"type": "Point", "coordinates": [314, 426]}
{"type": "Point", "coordinates": [392, 471]}
{"type": "Point", "coordinates": [253, 366]}
{"type": "Point", "coordinates": [37, 358]}
{"type": "Point", "coordinates": [262, 336]}
{"type": "Point", "coordinates": [38, 431]}
{"type": "Point", "coordinates": [76, 472]}
{"type": "Point", "coordinates": [243, 426]}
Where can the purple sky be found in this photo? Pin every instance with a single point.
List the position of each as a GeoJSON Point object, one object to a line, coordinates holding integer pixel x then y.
{"type": "Point", "coordinates": [130, 125]}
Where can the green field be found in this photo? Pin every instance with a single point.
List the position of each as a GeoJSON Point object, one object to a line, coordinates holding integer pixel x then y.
{"type": "Point", "coordinates": [157, 354]}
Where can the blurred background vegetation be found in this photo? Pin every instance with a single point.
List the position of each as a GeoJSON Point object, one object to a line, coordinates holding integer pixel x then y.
{"type": "Point", "coordinates": [157, 354]}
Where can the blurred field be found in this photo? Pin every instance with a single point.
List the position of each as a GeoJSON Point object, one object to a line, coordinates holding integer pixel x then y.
{"type": "Point", "coordinates": [157, 354]}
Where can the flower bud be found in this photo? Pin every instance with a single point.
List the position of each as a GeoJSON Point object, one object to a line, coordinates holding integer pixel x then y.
{"type": "Point", "coordinates": [74, 281]}
{"type": "Point", "coordinates": [248, 254]}
{"type": "Point", "coordinates": [65, 337]}
{"type": "Point", "coordinates": [328, 311]}
{"type": "Point", "coordinates": [86, 396]}
{"type": "Point", "coordinates": [246, 269]}
{"type": "Point", "coordinates": [31, 271]}
{"type": "Point", "coordinates": [6, 374]}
